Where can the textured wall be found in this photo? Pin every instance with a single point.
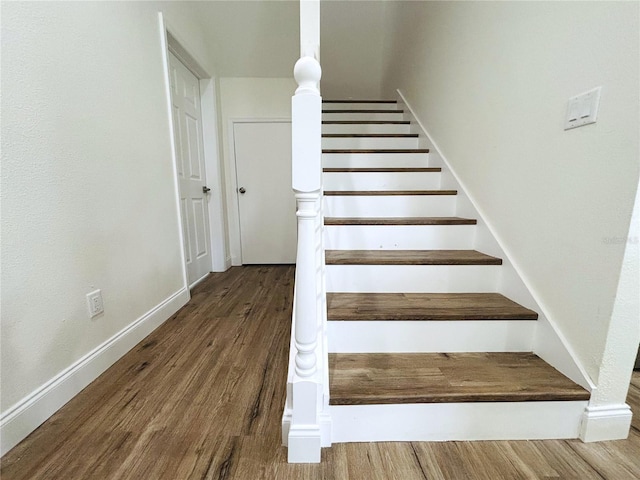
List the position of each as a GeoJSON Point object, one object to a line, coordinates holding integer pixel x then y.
{"type": "Point", "coordinates": [88, 196]}
{"type": "Point", "coordinates": [351, 43]}
{"type": "Point", "coordinates": [490, 81]}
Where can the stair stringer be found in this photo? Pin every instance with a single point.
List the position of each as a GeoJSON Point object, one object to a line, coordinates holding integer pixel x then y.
{"type": "Point", "coordinates": [549, 343]}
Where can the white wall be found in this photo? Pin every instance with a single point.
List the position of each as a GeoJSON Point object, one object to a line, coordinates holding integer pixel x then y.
{"type": "Point", "coordinates": [624, 331]}
{"type": "Point", "coordinates": [247, 98]}
{"type": "Point", "coordinates": [257, 38]}
{"type": "Point", "coordinates": [490, 81]}
{"type": "Point", "coordinates": [88, 197]}
{"type": "Point", "coordinates": [351, 46]}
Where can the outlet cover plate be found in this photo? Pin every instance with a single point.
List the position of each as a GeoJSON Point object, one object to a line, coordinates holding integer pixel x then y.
{"type": "Point", "coordinates": [95, 304]}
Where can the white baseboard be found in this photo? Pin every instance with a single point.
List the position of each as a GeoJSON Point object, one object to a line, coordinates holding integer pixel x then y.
{"type": "Point", "coordinates": [609, 422]}
{"type": "Point", "coordinates": [438, 422]}
{"type": "Point", "coordinates": [30, 412]}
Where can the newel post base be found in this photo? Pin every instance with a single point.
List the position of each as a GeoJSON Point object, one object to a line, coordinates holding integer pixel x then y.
{"type": "Point", "coordinates": [305, 438]}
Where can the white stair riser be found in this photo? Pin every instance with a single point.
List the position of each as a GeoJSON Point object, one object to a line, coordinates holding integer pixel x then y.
{"type": "Point", "coordinates": [372, 160]}
{"type": "Point", "coordinates": [363, 116]}
{"type": "Point", "coordinates": [399, 237]}
{"type": "Point", "coordinates": [381, 180]}
{"type": "Point", "coordinates": [430, 336]}
{"type": "Point", "coordinates": [359, 106]}
{"type": "Point", "coordinates": [390, 206]}
{"type": "Point", "coordinates": [369, 143]}
{"type": "Point", "coordinates": [365, 128]}
{"type": "Point", "coordinates": [456, 421]}
{"type": "Point", "coordinates": [412, 278]}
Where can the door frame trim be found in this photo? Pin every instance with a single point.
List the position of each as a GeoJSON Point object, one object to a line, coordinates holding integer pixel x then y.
{"type": "Point", "coordinates": [233, 210]}
{"type": "Point", "coordinates": [170, 41]}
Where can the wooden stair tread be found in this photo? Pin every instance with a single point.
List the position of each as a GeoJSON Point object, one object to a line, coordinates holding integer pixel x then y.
{"type": "Point", "coordinates": [359, 101]}
{"type": "Point", "coordinates": [362, 111]}
{"type": "Point", "coordinates": [401, 378]}
{"type": "Point", "coordinates": [399, 221]}
{"type": "Point", "coordinates": [378, 193]}
{"type": "Point", "coordinates": [409, 257]}
{"type": "Point", "coordinates": [375, 150]}
{"type": "Point", "coordinates": [424, 306]}
{"type": "Point", "coordinates": [383, 170]}
{"type": "Point", "coordinates": [370, 135]}
{"type": "Point", "coordinates": [366, 122]}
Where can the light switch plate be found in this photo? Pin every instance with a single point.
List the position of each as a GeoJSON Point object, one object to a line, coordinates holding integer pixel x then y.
{"type": "Point", "coordinates": [583, 109]}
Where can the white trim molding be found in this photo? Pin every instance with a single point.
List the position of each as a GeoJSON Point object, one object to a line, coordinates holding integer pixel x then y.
{"type": "Point", "coordinates": [606, 422]}
{"type": "Point", "coordinates": [34, 409]}
{"type": "Point", "coordinates": [441, 422]}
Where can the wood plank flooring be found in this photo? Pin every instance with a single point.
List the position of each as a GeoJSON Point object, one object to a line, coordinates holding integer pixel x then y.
{"type": "Point", "coordinates": [425, 306]}
{"type": "Point", "coordinates": [409, 257]}
{"type": "Point", "coordinates": [202, 398]}
{"type": "Point", "coordinates": [383, 378]}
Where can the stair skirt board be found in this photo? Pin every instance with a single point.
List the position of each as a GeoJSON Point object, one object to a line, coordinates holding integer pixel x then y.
{"type": "Point", "coordinates": [398, 237]}
{"type": "Point", "coordinates": [430, 336]}
{"type": "Point", "coordinates": [367, 160]}
{"type": "Point", "coordinates": [381, 180]}
{"type": "Point", "coordinates": [365, 128]}
{"type": "Point", "coordinates": [369, 142]}
{"type": "Point", "coordinates": [390, 206]}
{"type": "Point", "coordinates": [436, 422]}
{"type": "Point", "coordinates": [412, 278]}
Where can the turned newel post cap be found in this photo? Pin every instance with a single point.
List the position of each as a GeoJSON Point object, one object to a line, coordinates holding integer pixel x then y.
{"type": "Point", "coordinates": [307, 73]}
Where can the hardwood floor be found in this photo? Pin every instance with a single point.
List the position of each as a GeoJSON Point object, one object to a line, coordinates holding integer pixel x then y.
{"type": "Point", "coordinates": [202, 398]}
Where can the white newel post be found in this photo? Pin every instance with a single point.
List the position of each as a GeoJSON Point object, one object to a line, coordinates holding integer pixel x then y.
{"type": "Point", "coordinates": [305, 440]}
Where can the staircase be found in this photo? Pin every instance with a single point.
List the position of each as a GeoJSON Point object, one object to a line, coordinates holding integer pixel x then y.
{"type": "Point", "coordinates": [423, 342]}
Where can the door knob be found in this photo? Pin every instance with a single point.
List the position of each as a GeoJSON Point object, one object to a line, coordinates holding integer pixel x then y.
{"type": "Point", "coordinates": [241, 190]}
{"type": "Point", "coordinates": [205, 189]}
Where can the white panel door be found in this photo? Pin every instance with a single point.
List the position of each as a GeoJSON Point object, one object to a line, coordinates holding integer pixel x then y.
{"type": "Point", "coordinates": [187, 117]}
{"type": "Point", "coordinates": [265, 199]}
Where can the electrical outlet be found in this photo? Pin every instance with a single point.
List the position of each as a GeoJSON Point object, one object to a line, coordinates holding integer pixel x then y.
{"type": "Point", "coordinates": [94, 300]}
